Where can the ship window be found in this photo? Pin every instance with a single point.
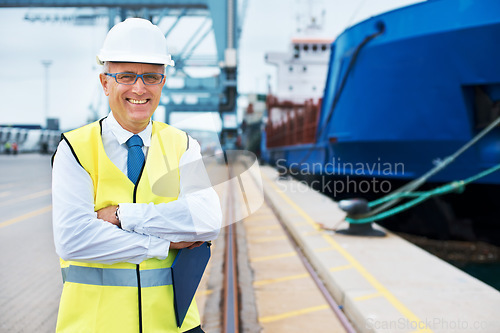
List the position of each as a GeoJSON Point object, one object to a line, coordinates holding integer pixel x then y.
{"type": "Point", "coordinates": [290, 69]}
{"type": "Point", "coordinates": [306, 47]}
{"type": "Point", "coordinates": [296, 51]}
{"type": "Point", "coordinates": [486, 104]}
{"type": "Point", "coordinates": [315, 47]}
{"type": "Point", "coordinates": [323, 47]}
{"type": "Point", "coordinates": [304, 68]}
{"type": "Point", "coordinates": [290, 88]}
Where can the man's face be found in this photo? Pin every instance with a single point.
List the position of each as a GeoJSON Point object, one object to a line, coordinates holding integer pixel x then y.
{"type": "Point", "coordinates": [132, 105]}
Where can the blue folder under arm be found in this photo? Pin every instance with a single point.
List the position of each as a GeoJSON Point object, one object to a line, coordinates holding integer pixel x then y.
{"type": "Point", "coordinates": [187, 270]}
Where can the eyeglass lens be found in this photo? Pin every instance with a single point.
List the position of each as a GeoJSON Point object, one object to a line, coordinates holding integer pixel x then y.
{"type": "Point", "coordinates": [130, 78]}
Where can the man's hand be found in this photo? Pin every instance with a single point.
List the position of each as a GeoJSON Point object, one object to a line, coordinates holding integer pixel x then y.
{"type": "Point", "coordinates": [108, 214]}
{"type": "Point", "coordinates": [183, 245]}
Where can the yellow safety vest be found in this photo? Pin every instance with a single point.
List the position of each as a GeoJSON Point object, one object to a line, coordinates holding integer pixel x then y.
{"type": "Point", "coordinates": [124, 297]}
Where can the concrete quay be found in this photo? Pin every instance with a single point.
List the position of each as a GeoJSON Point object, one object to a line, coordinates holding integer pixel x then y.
{"type": "Point", "coordinates": [383, 284]}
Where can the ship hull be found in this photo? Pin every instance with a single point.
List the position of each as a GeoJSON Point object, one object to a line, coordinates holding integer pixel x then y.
{"type": "Point", "coordinates": [413, 96]}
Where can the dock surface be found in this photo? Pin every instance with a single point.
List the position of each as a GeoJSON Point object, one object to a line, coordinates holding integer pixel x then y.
{"type": "Point", "coordinates": [30, 277]}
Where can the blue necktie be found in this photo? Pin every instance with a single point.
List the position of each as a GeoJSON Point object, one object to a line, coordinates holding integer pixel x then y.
{"type": "Point", "coordinates": [135, 158]}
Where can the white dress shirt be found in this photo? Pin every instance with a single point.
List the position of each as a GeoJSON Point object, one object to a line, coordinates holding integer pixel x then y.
{"type": "Point", "coordinates": [147, 229]}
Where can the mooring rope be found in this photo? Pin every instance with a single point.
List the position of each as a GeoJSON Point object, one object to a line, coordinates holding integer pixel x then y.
{"type": "Point", "coordinates": [406, 191]}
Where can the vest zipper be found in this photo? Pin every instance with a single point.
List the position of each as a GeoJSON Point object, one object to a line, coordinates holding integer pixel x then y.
{"type": "Point", "coordinates": [139, 298]}
{"type": "Point", "coordinates": [137, 267]}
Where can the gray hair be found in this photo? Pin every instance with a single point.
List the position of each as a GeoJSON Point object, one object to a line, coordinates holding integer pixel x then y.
{"type": "Point", "coordinates": [105, 67]}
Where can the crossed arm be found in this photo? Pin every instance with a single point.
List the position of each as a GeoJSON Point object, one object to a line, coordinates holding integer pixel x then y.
{"type": "Point", "coordinates": [108, 214]}
{"type": "Point", "coordinates": [147, 230]}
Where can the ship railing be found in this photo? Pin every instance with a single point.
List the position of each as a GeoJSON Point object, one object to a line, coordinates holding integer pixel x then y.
{"type": "Point", "coordinates": [291, 123]}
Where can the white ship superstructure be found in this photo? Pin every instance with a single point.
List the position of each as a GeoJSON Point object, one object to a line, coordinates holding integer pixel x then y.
{"type": "Point", "coordinates": [302, 70]}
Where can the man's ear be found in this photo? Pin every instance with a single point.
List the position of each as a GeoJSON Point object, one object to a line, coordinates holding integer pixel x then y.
{"type": "Point", "coordinates": [104, 83]}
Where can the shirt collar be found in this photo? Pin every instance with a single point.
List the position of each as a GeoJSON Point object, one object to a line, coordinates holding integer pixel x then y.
{"type": "Point", "coordinates": [122, 135]}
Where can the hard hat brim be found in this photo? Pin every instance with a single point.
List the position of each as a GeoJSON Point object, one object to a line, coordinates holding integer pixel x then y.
{"type": "Point", "coordinates": [141, 60]}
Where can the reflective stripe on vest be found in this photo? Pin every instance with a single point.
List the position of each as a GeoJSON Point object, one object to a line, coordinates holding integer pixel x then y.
{"type": "Point", "coordinates": [117, 277]}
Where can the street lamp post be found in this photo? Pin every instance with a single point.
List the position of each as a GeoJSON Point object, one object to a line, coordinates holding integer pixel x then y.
{"type": "Point", "coordinates": [46, 64]}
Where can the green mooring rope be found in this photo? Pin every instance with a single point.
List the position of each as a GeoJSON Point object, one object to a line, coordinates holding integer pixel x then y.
{"type": "Point", "coordinates": [393, 199]}
{"type": "Point", "coordinates": [455, 186]}
{"type": "Point", "coordinates": [384, 204]}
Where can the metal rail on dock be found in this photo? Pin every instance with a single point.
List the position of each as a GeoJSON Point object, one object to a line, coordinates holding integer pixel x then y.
{"type": "Point", "coordinates": [231, 293]}
{"type": "Point", "coordinates": [230, 300]}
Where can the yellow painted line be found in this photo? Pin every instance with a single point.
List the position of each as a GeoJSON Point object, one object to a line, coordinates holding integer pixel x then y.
{"type": "Point", "coordinates": [369, 296]}
{"type": "Point", "coordinates": [374, 282]}
{"type": "Point", "coordinates": [252, 229]}
{"type": "Point", "coordinates": [268, 319]}
{"type": "Point", "coordinates": [204, 292]}
{"type": "Point", "coordinates": [267, 239]}
{"type": "Point", "coordinates": [27, 197]}
{"type": "Point", "coordinates": [282, 279]}
{"type": "Point", "coordinates": [370, 278]}
{"type": "Point", "coordinates": [276, 256]}
{"type": "Point", "coordinates": [26, 216]}
{"type": "Point", "coordinates": [340, 268]}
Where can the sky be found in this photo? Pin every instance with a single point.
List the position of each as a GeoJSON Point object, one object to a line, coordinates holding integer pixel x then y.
{"type": "Point", "coordinates": [73, 85]}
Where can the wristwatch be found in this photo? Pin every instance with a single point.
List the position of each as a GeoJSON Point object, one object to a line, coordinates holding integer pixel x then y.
{"type": "Point", "coordinates": [116, 213]}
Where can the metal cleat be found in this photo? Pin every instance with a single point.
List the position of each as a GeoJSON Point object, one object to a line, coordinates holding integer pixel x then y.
{"type": "Point", "coordinates": [354, 208]}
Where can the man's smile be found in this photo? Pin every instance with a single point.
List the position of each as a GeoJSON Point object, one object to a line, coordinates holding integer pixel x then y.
{"type": "Point", "coordinates": [137, 101]}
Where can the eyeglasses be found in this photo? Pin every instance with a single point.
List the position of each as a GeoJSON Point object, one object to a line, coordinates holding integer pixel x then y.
{"type": "Point", "coordinates": [131, 78]}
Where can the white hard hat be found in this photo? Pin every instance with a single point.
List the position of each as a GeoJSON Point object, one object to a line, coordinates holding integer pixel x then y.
{"type": "Point", "coordinates": [135, 40]}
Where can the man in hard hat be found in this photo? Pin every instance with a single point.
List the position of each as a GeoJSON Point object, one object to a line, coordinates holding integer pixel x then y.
{"type": "Point", "coordinates": [127, 194]}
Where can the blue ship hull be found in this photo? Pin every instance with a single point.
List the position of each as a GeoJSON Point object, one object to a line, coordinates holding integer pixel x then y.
{"type": "Point", "coordinates": [421, 89]}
